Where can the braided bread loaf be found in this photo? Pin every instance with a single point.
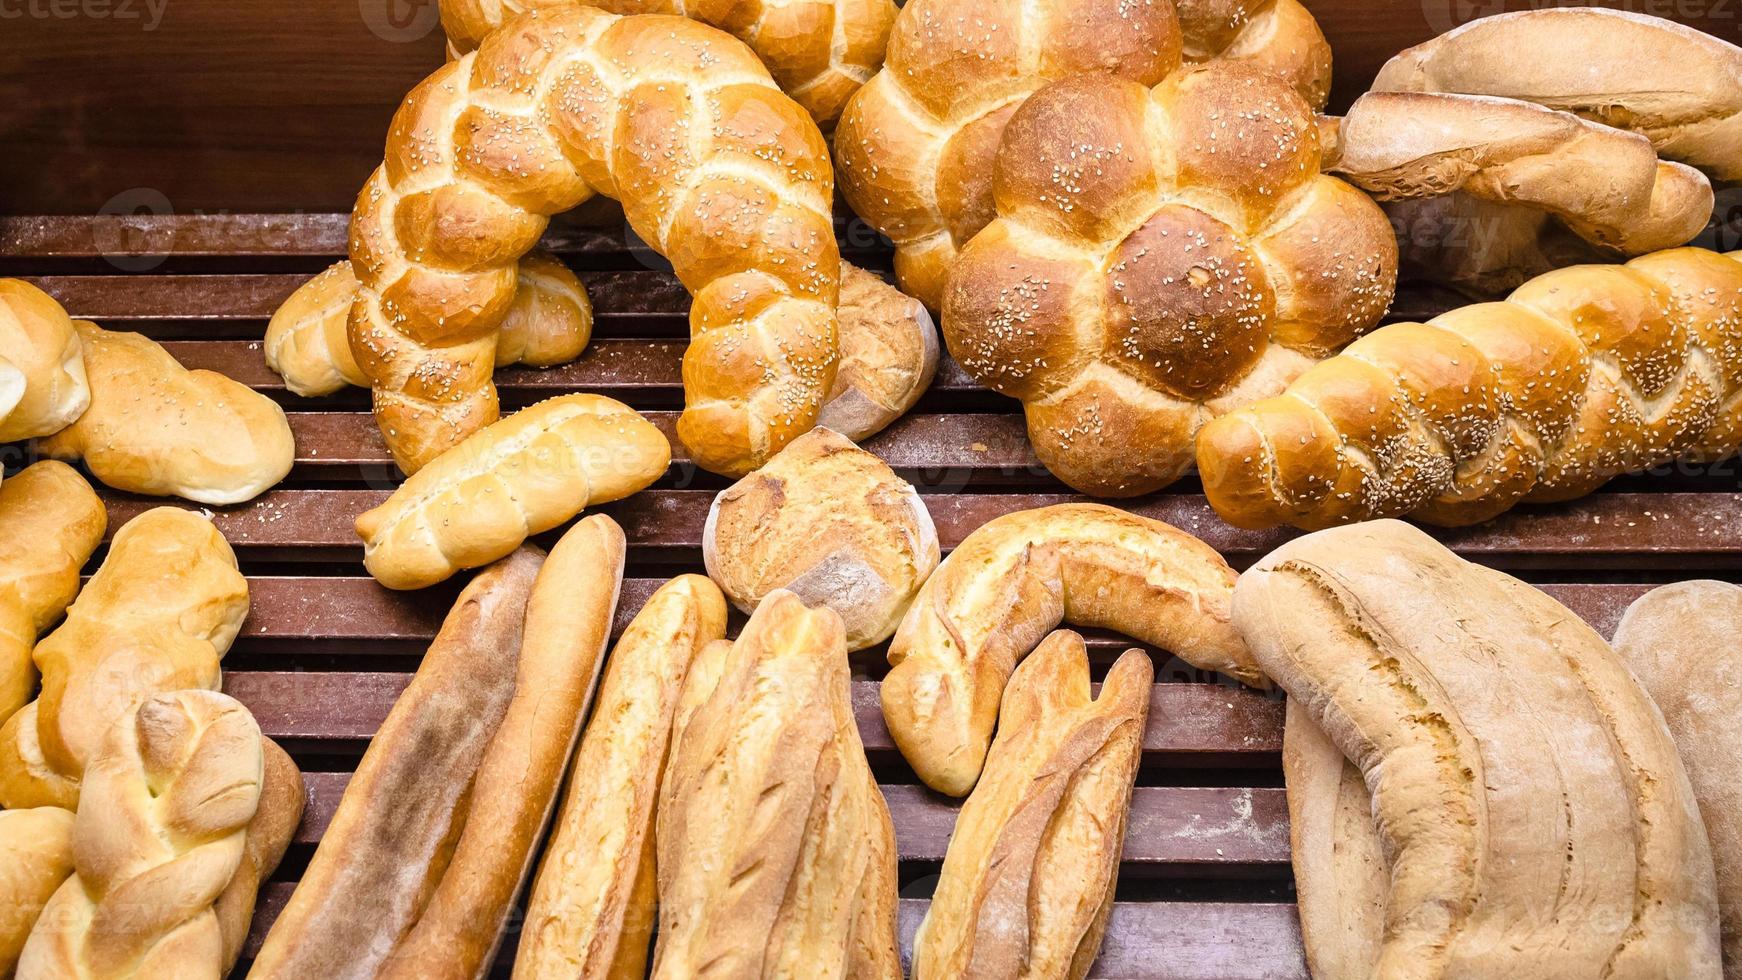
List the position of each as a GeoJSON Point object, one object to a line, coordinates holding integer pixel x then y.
{"type": "Point", "coordinates": [1581, 375]}
{"type": "Point", "coordinates": [1160, 257]}
{"type": "Point", "coordinates": [160, 832]}
{"type": "Point", "coordinates": [718, 170]}
{"type": "Point", "coordinates": [915, 146]}
{"type": "Point", "coordinates": [819, 51]}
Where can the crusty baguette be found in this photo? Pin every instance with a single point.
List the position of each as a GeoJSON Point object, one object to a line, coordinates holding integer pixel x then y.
{"type": "Point", "coordinates": [36, 856]}
{"type": "Point", "coordinates": [50, 523]}
{"type": "Point", "coordinates": [1677, 85]}
{"type": "Point", "coordinates": [282, 800]}
{"type": "Point", "coordinates": [776, 856]}
{"type": "Point", "coordinates": [1013, 581]}
{"type": "Point", "coordinates": [1027, 883]}
{"type": "Point", "coordinates": [1538, 820]}
{"type": "Point", "coordinates": [830, 523]}
{"type": "Point", "coordinates": [1684, 643]}
{"type": "Point", "coordinates": [591, 911]}
{"type": "Point", "coordinates": [160, 832]}
{"type": "Point", "coordinates": [525, 474]}
{"type": "Point", "coordinates": [156, 428]}
{"type": "Point", "coordinates": [1581, 375]}
{"type": "Point", "coordinates": [48, 390]}
{"type": "Point", "coordinates": [549, 323]}
{"type": "Point", "coordinates": [158, 616]}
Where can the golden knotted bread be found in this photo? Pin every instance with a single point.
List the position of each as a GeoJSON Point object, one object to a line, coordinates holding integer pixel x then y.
{"type": "Point", "coordinates": [1581, 375]}
{"type": "Point", "coordinates": [50, 523]}
{"type": "Point", "coordinates": [42, 371]}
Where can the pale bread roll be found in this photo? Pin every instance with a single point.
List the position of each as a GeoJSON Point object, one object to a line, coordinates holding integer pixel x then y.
{"type": "Point", "coordinates": [43, 388]}
{"type": "Point", "coordinates": [50, 523]}
{"type": "Point", "coordinates": [830, 523]}
{"type": "Point", "coordinates": [36, 856]}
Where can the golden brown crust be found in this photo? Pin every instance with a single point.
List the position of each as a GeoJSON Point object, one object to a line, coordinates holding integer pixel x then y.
{"type": "Point", "coordinates": [158, 616]}
{"type": "Point", "coordinates": [767, 806]}
{"type": "Point", "coordinates": [591, 912]}
{"type": "Point", "coordinates": [50, 522]}
{"type": "Point", "coordinates": [36, 856]}
{"type": "Point", "coordinates": [889, 355]}
{"type": "Point", "coordinates": [37, 341]}
{"type": "Point", "coordinates": [1028, 881]}
{"type": "Point", "coordinates": [715, 168]}
{"type": "Point", "coordinates": [525, 474]}
{"type": "Point", "coordinates": [156, 428]}
{"type": "Point", "coordinates": [282, 799]}
{"type": "Point", "coordinates": [1581, 375]}
{"type": "Point", "coordinates": [1008, 585]}
{"type": "Point", "coordinates": [1154, 265]}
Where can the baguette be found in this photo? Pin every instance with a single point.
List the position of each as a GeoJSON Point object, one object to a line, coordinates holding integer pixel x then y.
{"type": "Point", "coordinates": [1681, 641]}
{"type": "Point", "coordinates": [436, 831]}
{"type": "Point", "coordinates": [1027, 883]}
{"type": "Point", "coordinates": [591, 912]}
{"type": "Point", "coordinates": [1537, 819]}
{"type": "Point", "coordinates": [525, 474]}
{"type": "Point", "coordinates": [43, 388]}
{"type": "Point", "coordinates": [549, 323]}
{"type": "Point", "coordinates": [776, 856]}
{"type": "Point", "coordinates": [156, 428]}
{"type": "Point", "coordinates": [1013, 581]}
{"type": "Point", "coordinates": [158, 616]}
{"type": "Point", "coordinates": [36, 857]}
{"type": "Point", "coordinates": [1581, 375]}
{"type": "Point", "coordinates": [160, 832]}
{"type": "Point", "coordinates": [50, 523]}
{"type": "Point", "coordinates": [830, 523]}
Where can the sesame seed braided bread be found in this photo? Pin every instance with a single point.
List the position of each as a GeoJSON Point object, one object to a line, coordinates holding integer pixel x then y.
{"type": "Point", "coordinates": [1580, 375]}
{"type": "Point", "coordinates": [719, 171]}
{"type": "Point", "coordinates": [915, 146]}
{"type": "Point", "coordinates": [1160, 257]}
{"type": "Point", "coordinates": [819, 51]}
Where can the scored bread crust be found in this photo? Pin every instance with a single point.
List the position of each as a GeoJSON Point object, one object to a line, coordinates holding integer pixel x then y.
{"type": "Point", "coordinates": [1681, 641]}
{"type": "Point", "coordinates": [522, 475]}
{"type": "Point", "coordinates": [715, 168]}
{"type": "Point", "coordinates": [39, 343]}
{"type": "Point", "coordinates": [1027, 883]}
{"type": "Point", "coordinates": [775, 851]}
{"type": "Point", "coordinates": [1008, 584]}
{"type": "Point", "coordinates": [1581, 375]}
{"type": "Point", "coordinates": [50, 523]}
{"type": "Point", "coordinates": [1538, 821]}
{"type": "Point", "coordinates": [154, 427]}
{"type": "Point", "coordinates": [36, 857]}
{"type": "Point", "coordinates": [591, 910]}
{"type": "Point", "coordinates": [158, 616]}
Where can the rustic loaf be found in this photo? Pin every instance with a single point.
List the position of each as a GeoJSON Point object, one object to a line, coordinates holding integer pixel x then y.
{"type": "Point", "coordinates": [158, 616]}
{"type": "Point", "coordinates": [811, 892]}
{"type": "Point", "coordinates": [830, 523]}
{"type": "Point", "coordinates": [915, 146]}
{"type": "Point", "coordinates": [1013, 581]}
{"type": "Point", "coordinates": [154, 427]}
{"type": "Point", "coordinates": [1537, 820]}
{"type": "Point", "coordinates": [524, 474]}
{"type": "Point", "coordinates": [50, 523]}
{"type": "Point", "coordinates": [715, 168]}
{"type": "Point", "coordinates": [1684, 643]}
{"type": "Point", "coordinates": [1581, 375]}
{"type": "Point", "coordinates": [1027, 883]}
{"type": "Point", "coordinates": [889, 355]}
{"type": "Point", "coordinates": [591, 911]}
{"type": "Point", "coordinates": [1160, 257]}
{"type": "Point", "coordinates": [36, 857]}
{"type": "Point", "coordinates": [42, 370]}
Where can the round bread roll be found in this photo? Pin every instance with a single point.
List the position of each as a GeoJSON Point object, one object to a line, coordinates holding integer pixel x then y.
{"type": "Point", "coordinates": [831, 523]}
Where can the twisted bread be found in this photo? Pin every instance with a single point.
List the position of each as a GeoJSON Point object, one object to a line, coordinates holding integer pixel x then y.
{"type": "Point", "coordinates": [160, 832]}
{"type": "Point", "coordinates": [50, 522]}
{"type": "Point", "coordinates": [1008, 585]}
{"type": "Point", "coordinates": [915, 146]}
{"type": "Point", "coordinates": [549, 323]}
{"type": "Point", "coordinates": [157, 616]}
{"type": "Point", "coordinates": [776, 856]}
{"type": "Point", "coordinates": [1160, 257]}
{"type": "Point", "coordinates": [36, 856]}
{"type": "Point", "coordinates": [156, 428]}
{"type": "Point", "coordinates": [282, 799]}
{"type": "Point", "coordinates": [42, 373]}
{"type": "Point", "coordinates": [1027, 884]}
{"type": "Point", "coordinates": [525, 474]}
{"type": "Point", "coordinates": [714, 167]}
{"type": "Point", "coordinates": [819, 51]}
{"type": "Point", "coordinates": [1581, 375]}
